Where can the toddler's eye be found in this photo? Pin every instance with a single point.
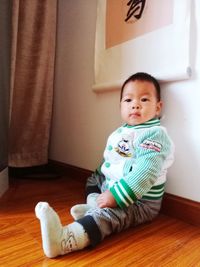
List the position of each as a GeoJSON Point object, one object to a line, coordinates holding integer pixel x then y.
{"type": "Point", "coordinates": [144, 99]}
{"type": "Point", "coordinates": [127, 100]}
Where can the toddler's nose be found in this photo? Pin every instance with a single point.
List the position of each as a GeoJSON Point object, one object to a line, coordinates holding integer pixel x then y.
{"type": "Point", "coordinates": [135, 106]}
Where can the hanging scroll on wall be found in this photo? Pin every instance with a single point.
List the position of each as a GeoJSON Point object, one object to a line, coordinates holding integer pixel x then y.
{"type": "Point", "coordinates": [141, 35]}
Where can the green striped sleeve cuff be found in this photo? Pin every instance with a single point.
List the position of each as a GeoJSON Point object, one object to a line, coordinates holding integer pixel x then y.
{"type": "Point", "coordinates": [156, 192]}
{"type": "Point", "coordinates": [123, 194]}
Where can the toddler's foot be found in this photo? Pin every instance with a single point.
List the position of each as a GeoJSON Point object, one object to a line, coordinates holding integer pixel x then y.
{"type": "Point", "coordinates": [78, 211]}
{"type": "Point", "coordinates": [56, 239]}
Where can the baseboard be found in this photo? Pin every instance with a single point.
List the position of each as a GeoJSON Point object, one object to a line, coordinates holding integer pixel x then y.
{"type": "Point", "coordinates": [69, 170]}
{"type": "Point", "coordinates": [174, 206]}
{"type": "Point", "coordinates": [181, 208]}
{"type": "Point", "coordinates": [40, 172]}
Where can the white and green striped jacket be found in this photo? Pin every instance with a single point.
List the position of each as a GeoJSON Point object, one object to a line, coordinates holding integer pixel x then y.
{"type": "Point", "coordinates": [136, 159]}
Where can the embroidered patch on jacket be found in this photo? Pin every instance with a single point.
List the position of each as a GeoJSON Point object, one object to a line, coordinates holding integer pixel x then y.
{"type": "Point", "coordinates": [153, 145]}
{"type": "Point", "coordinates": [124, 147]}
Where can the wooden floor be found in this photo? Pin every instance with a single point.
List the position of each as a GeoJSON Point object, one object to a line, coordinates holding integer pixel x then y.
{"type": "Point", "coordinates": [165, 242]}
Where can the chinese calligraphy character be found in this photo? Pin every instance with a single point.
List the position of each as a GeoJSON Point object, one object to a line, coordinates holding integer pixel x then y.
{"type": "Point", "coordinates": [136, 8]}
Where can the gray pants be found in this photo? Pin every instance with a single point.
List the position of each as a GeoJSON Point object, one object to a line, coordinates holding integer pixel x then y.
{"type": "Point", "coordinates": [115, 220]}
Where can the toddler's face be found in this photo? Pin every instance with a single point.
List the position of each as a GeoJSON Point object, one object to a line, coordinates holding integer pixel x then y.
{"type": "Point", "coordinates": [139, 102]}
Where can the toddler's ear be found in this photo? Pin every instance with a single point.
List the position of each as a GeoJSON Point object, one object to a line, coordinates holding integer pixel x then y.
{"type": "Point", "coordinates": [159, 108]}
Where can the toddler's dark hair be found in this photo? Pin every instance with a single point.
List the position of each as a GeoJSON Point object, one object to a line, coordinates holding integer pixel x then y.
{"type": "Point", "coordinates": [142, 76]}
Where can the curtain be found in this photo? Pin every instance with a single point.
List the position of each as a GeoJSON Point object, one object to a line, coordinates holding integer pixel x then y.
{"type": "Point", "coordinates": [5, 36]}
{"type": "Point", "coordinates": [32, 76]}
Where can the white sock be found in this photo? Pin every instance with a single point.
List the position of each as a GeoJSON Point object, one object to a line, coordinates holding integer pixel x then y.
{"type": "Point", "coordinates": [78, 211]}
{"type": "Point", "coordinates": [92, 199]}
{"type": "Point", "coordinates": [56, 239]}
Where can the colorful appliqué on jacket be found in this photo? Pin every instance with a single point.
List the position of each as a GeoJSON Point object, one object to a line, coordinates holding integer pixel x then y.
{"type": "Point", "coordinates": [150, 144]}
{"type": "Point", "coordinates": [124, 147]}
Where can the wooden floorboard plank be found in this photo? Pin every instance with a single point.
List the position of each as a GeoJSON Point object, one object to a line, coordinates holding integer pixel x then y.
{"type": "Point", "coordinates": [164, 242]}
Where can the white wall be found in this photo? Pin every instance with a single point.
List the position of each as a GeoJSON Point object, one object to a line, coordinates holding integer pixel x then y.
{"type": "Point", "coordinates": [82, 119]}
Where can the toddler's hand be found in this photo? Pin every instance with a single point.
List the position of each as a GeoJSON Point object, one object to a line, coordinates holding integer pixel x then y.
{"type": "Point", "coordinates": [106, 200]}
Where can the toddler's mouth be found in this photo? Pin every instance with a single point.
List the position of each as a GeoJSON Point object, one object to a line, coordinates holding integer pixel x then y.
{"type": "Point", "coordinates": [135, 115]}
